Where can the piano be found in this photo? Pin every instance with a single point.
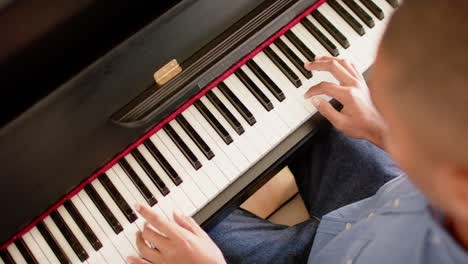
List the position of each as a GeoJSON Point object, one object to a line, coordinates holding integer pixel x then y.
{"type": "Point", "coordinates": [105, 133]}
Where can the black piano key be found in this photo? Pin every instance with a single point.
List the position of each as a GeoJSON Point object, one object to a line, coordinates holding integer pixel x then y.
{"type": "Point", "coordinates": [182, 147]}
{"type": "Point", "coordinates": [393, 3]}
{"type": "Point", "coordinates": [374, 8]}
{"type": "Point", "coordinates": [84, 227]}
{"type": "Point", "coordinates": [337, 35]}
{"type": "Point", "coordinates": [69, 236]}
{"type": "Point", "coordinates": [266, 80]}
{"type": "Point", "coordinates": [320, 37]}
{"type": "Point", "coordinates": [293, 58]}
{"type": "Point", "coordinates": [230, 118]}
{"type": "Point", "coordinates": [283, 67]}
{"type": "Point", "coordinates": [138, 182]}
{"type": "Point", "coordinates": [222, 132]}
{"type": "Point", "coordinates": [150, 172]}
{"type": "Point", "coordinates": [58, 251]}
{"type": "Point", "coordinates": [240, 107]}
{"type": "Point", "coordinates": [343, 13]}
{"type": "Point", "coordinates": [361, 13]}
{"type": "Point", "coordinates": [310, 56]}
{"type": "Point", "coordinates": [253, 88]}
{"type": "Point", "coordinates": [117, 197]}
{"type": "Point", "coordinates": [25, 251]}
{"type": "Point", "coordinates": [204, 148]}
{"type": "Point", "coordinates": [102, 207]}
{"type": "Point", "coordinates": [163, 162]}
{"type": "Point", "coordinates": [6, 257]}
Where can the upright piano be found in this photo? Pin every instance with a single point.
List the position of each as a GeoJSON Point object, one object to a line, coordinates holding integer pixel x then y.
{"type": "Point", "coordinates": [185, 106]}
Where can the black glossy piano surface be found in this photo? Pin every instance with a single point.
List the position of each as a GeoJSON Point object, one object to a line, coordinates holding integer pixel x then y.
{"type": "Point", "coordinates": [93, 112]}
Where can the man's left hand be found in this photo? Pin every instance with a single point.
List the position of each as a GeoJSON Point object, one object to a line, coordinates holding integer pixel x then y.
{"type": "Point", "coordinates": [181, 241]}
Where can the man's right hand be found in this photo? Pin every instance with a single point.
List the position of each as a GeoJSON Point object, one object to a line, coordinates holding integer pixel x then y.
{"type": "Point", "coordinates": [359, 118]}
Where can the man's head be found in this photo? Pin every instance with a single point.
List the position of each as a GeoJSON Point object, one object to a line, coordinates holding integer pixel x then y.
{"type": "Point", "coordinates": [420, 85]}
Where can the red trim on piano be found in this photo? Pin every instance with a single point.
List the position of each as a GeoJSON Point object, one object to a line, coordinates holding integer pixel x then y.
{"type": "Point", "coordinates": [172, 116]}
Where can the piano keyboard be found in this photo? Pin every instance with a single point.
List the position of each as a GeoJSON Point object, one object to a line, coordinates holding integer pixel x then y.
{"type": "Point", "coordinates": [194, 157]}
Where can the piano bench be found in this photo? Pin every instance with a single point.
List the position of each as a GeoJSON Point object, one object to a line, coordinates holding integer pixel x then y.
{"type": "Point", "coordinates": [278, 200]}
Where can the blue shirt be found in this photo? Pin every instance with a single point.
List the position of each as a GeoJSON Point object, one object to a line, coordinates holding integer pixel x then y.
{"type": "Point", "coordinates": [393, 226]}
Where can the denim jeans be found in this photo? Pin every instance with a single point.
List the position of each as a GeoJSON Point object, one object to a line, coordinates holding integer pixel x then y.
{"type": "Point", "coordinates": [328, 170]}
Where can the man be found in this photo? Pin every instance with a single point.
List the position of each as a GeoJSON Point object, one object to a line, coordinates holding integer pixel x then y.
{"type": "Point", "coordinates": [419, 88]}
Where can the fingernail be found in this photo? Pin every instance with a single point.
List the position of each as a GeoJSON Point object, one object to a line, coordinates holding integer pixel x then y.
{"type": "Point", "coordinates": [315, 101]}
{"type": "Point", "coordinates": [130, 260]}
{"type": "Point", "coordinates": [137, 207]}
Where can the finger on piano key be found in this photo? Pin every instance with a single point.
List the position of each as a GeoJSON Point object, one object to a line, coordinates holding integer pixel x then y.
{"type": "Point", "coordinates": [274, 89]}
{"type": "Point", "coordinates": [84, 227]}
{"type": "Point", "coordinates": [278, 128]}
{"type": "Point", "coordinates": [25, 251]}
{"type": "Point", "coordinates": [216, 176]}
{"type": "Point", "coordinates": [247, 148]}
{"type": "Point", "coordinates": [285, 69]}
{"type": "Point", "coordinates": [6, 257]}
{"type": "Point", "coordinates": [232, 120]}
{"type": "Point", "coordinates": [111, 242]}
{"type": "Point", "coordinates": [331, 28]}
{"type": "Point", "coordinates": [103, 209]}
{"type": "Point", "coordinates": [199, 177]}
{"type": "Point", "coordinates": [64, 229]}
{"type": "Point", "coordinates": [154, 177]}
{"type": "Point", "coordinates": [52, 242]}
{"type": "Point", "coordinates": [34, 248]}
{"type": "Point", "coordinates": [221, 159]}
{"type": "Point", "coordinates": [182, 147]}
{"type": "Point", "coordinates": [360, 12]}
{"type": "Point", "coordinates": [142, 188]}
{"type": "Point", "coordinates": [293, 58]}
{"type": "Point", "coordinates": [305, 51]}
{"type": "Point", "coordinates": [129, 229]}
{"type": "Point", "coordinates": [346, 15]}
{"type": "Point", "coordinates": [259, 95]}
{"type": "Point", "coordinates": [176, 192]}
{"type": "Point", "coordinates": [194, 136]}
{"type": "Point", "coordinates": [220, 130]}
{"type": "Point", "coordinates": [166, 205]}
{"type": "Point", "coordinates": [44, 246]}
{"type": "Point", "coordinates": [374, 8]}
{"type": "Point", "coordinates": [61, 240]}
{"type": "Point", "coordinates": [189, 184]}
{"type": "Point", "coordinates": [288, 111]}
{"type": "Point", "coordinates": [254, 133]}
{"type": "Point", "coordinates": [94, 257]}
{"type": "Point", "coordinates": [15, 254]}
{"type": "Point", "coordinates": [118, 198]}
{"type": "Point", "coordinates": [126, 192]}
{"type": "Point", "coordinates": [241, 108]}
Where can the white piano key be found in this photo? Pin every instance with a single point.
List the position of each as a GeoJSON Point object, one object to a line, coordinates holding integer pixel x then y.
{"type": "Point", "coordinates": [254, 133]}
{"type": "Point", "coordinates": [16, 254]}
{"type": "Point", "coordinates": [175, 192]}
{"type": "Point", "coordinates": [1, 261]}
{"type": "Point", "coordinates": [209, 167]}
{"type": "Point", "coordinates": [119, 241]}
{"type": "Point", "coordinates": [167, 206]}
{"type": "Point", "coordinates": [220, 157]}
{"type": "Point", "coordinates": [42, 243]}
{"type": "Point", "coordinates": [279, 129]}
{"type": "Point", "coordinates": [188, 179]}
{"type": "Point", "coordinates": [129, 198]}
{"type": "Point", "coordinates": [130, 229]}
{"type": "Point", "coordinates": [94, 257]}
{"type": "Point", "coordinates": [61, 240]}
{"type": "Point", "coordinates": [198, 176]}
{"type": "Point", "coordinates": [34, 248]}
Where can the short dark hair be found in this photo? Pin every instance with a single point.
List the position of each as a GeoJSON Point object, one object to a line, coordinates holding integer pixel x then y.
{"type": "Point", "coordinates": [426, 46]}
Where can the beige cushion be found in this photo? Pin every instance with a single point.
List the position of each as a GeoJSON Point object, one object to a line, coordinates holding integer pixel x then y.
{"type": "Point", "coordinates": [291, 213]}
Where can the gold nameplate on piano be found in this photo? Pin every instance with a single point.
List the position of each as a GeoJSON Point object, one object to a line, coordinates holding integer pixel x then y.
{"type": "Point", "coordinates": [167, 72]}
